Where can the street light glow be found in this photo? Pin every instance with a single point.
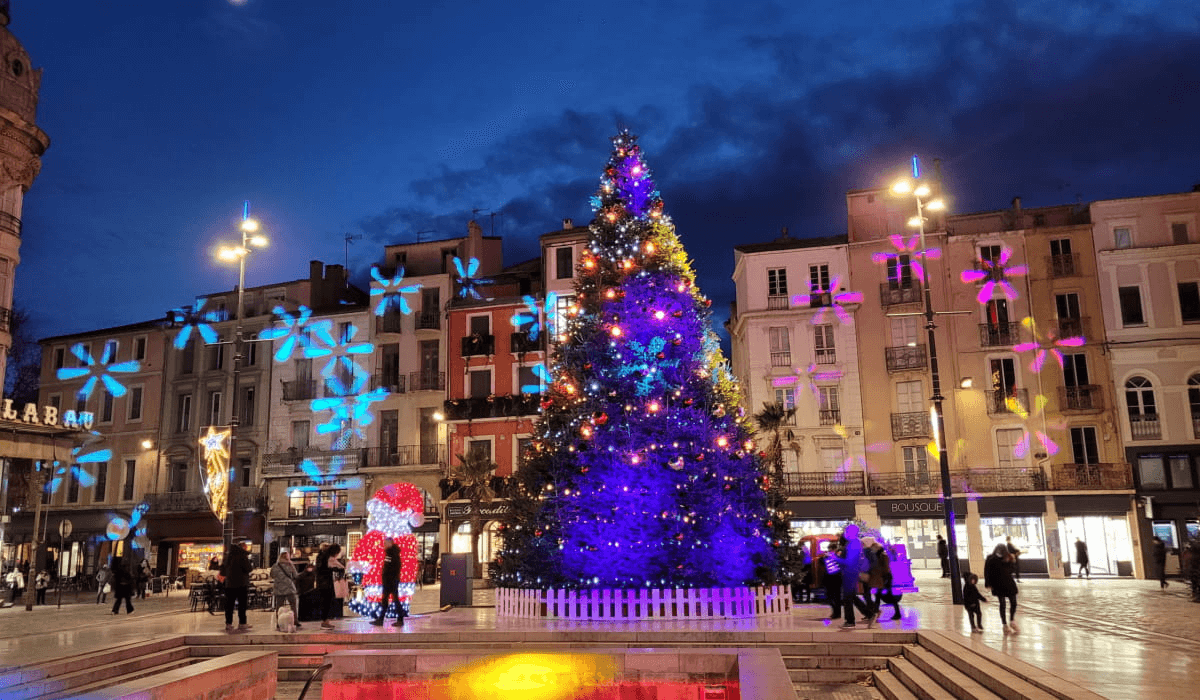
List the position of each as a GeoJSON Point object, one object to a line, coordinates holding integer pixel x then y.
{"type": "Point", "coordinates": [902, 187]}
{"type": "Point", "coordinates": [936, 205]}
{"type": "Point", "coordinates": [258, 241]}
{"type": "Point", "coordinates": [915, 222]}
{"type": "Point", "coordinates": [147, 444]}
{"type": "Point", "coordinates": [231, 254]}
{"type": "Point", "coordinates": [922, 191]}
{"type": "Point", "coordinates": [250, 225]}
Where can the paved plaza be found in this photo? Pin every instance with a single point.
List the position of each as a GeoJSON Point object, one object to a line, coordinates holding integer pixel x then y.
{"type": "Point", "coordinates": [1123, 639]}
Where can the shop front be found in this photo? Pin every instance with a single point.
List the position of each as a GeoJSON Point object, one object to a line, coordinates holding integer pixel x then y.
{"type": "Point", "coordinates": [806, 518]}
{"type": "Point", "coordinates": [1102, 524]}
{"type": "Point", "coordinates": [916, 523]}
{"type": "Point", "coordinates": [458, 517]}
{"type": "Point", "coordinates": [1020, 518]}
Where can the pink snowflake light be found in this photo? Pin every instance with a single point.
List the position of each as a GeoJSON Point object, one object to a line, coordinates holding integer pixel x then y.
{"type": "Point", "coordinates": [907, 247]}
{"type": "Point", "coordinates": [807, 378]}
{"type": "Point", "coordinates": [996, 272]}
{"type": "Point", "coordinates": [1049, 345]}
{"type": "Point", "coordinates": [1022, 448]}
{"type": "Point", "coordinates": [837, 301]}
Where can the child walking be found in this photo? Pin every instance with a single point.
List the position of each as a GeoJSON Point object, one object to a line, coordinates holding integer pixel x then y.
{"type": "Point", "coordinates": [971, 600]}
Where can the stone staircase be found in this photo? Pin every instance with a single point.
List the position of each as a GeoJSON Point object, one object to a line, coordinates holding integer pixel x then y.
{"type": "Point", "coordinates": [77, 676]}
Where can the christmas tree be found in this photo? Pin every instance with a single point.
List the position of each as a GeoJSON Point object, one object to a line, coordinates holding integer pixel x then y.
{"type": "Point", "coordinates": [642, 472]}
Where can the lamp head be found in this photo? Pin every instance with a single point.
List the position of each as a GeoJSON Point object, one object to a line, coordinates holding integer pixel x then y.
{"type": "Point", "coordinates": [902, 187]}
{"type": "Point", "coordinates": [258, 241]}
{"type": "Point", "coordinates": [147, 444]}
{"type": "Point", "coordinates": [936, 205]}
{"type": "Point", "coordinates": [915, 222]}
{"type": "Point", "coordinates": [231, 254]}
{"type": "Point", "coordinates": [249, 225]}
{"type": "Point", "coordinates": [922, 191]}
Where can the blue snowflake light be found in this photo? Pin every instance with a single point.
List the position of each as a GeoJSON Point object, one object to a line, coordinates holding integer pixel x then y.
{"type": "Point", "coordinates": [194, 319]}
{"type": "Point", "coordinates": [98, 371]}
{"type": "Point", "coordinates": [343, 375]}
{"type": "Point", "coordinates": [543, 376]}
{"type": "Point", "coordinates": [121, 527]}
{"type": "Point", "coordinates": [327, 478]}
{"type": "Point", "coordinates": [644, 363]}
{"type": "Point", "coordinates": [296, 331]}
{"type": "Point", "coordinates": [349, 414]}
{"type": "Point", "coordinates": [468, 283]}
{"type": "Point", "coordinates": [533, 313]}
{"type": "Point", "coordinates": [390, 292]}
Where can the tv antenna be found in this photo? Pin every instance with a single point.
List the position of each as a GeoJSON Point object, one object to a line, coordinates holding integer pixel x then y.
{"type": "Point", "coordinates": [349, 238]}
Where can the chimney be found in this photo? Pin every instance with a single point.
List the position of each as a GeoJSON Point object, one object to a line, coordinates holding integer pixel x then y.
{"type": "Point", "coordinates": [569, 224]}
{"type": "Point", "coordinates": [474, 240]}
{"type": "Point", "coordinates": [1196, 187]}
{"type": "Point", "coordinates": [1016, 205]}
{"type": "Point", "coordinates": [783, 234]}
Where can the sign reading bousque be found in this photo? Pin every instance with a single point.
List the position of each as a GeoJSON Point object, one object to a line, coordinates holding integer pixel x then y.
{"type": "Point", "coordinates": [918, 508]}
{"type": "Point", "coordinates": [33, 414]}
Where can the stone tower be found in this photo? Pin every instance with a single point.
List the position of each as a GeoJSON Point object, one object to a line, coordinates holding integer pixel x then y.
{"type": "Point", "coordinates": [22, 144]}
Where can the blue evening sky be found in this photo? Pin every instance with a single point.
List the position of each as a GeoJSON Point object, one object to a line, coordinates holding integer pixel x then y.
{"type": "Point", "coordinates": [388, 118]}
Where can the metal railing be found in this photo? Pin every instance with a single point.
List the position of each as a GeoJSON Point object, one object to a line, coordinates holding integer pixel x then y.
{"type": "Point", "coordinates": [891, 294]}
{"type": "Point", "coordinates": [1092, 476]}
{"type": "Point", "coordinates": [817, 300]}
{"type": "Point", "coordinates": [1000, 401]}
{"type": "Point", "coordinates": [520, 342]}
{"type": "Point", "coordinates": [1063, 265]}
{"type": "Point", "coordinates": [829, 416]}
{"type": "Point", "coordinates": [389, 323]}
{"type": "Point", "coordinates": [781, 359]}
{"type": "Point", "coordinates": [300, 390]}
{"type": "Point", "coordinates": [404, 455]}
{"type": "Point", "coordinates": [826, 356]}
{"type": "Point", "coordinates": [478, 345]}
{"type": "Point", "coordinates": [10, 223]}
{"type": "Point", "coordinates": [778, 302]}
{"type": "Point", "coordinates": [910, 425]}
{"type": "Point", "coordinates": [492, 406]}
{"type": "Point", "coordinates": [1073, 327]}
{"type": "Point", "coordinates": [824, 484]}
{"type": "Point", "coordinates": [1145, 427]}
{"type": "Point", "coordinates": [190, 502]}
{"type": "Point", "coordinates": [1087, 397]}
{"type": "Point", "coordinates": [906, 358]}
{"type": "Point", "coordinates": [426, 381]}
{"type": "Point", "coordinates": [393, 383]}
{"type": "Point", "coordinates": [998, 334]}
{"type": "Point", "coordinates": [429, 321]}
{"type": "Point", "coordinates": [904, 484]}
{"type": "Point", "coordinates": [999, 480]}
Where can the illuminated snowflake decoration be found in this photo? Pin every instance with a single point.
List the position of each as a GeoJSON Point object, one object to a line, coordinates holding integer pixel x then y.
{"type": "Point", "coordinates": [296, 331]}
{"type": "Point", "coordinates": [908, 247]}
{"type": "Point", "coordinates": [1022, 448]}
{"type": "Point", "coordinates": [534, 312]}
{"type": "Point", "coordinates": [837, 301]}
{"type": "Point", "coordinates": [642, 362]}
{"type": "Point", "coordinates": [121, 527]}
{"type": "Point", "coordinates": [348, 414]}
{"type": "Point", "coordinates": [1042, 347]}
{"type": "Point", "coordinates": [194, 319]}
{"type": "Point", "coordinates": [343, 375]}
{"type": "Point", "coordinates": [543, 376]}
{"type": "Point", "coordinates": [98, 372]}
{"type": "Point", "coordinates": [390, 292]}
{"type": "Point", "coordinates": [997, 274]}
{"type": "Point", "coordinates": [326, 478]}
{"type": "Point", "coordinates": [468, 283]}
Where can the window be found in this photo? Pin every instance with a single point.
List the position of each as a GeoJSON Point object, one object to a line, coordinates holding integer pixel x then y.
{"type": "Point", "coordinates": [1067, 305]}
{"type": "Point", "coordinates": [250, 349]}
{"type": "Point", "coordinates": [909, 397]}
{"type": "Point", "coordinates": [480, 447]}
{"type": "Point", "coordinates": [85, 350]}
{"type": "Point", "coordinates": [833, 458]}
{"type": "Point", "coordinates": [135, 403]}
{"type": "Point", "coordinates": [781, 349]}
{"type": "Point", "coordinates": [110, 350]}
{"type": "Point", "coordinates": [1084, 448]}
{"type": "Point", "coordinates": [1060, 246]}
{"type": "Point", "coordinates": [80, 402]}
{"type": "Point", "coordinates": [1008, 441]}
{"type": "Point", "coordinates": [899, 272]}
{"type": "Point", "coordinates": [1075, 370]}
{"type": "Point", "coordinates": [904, 332]}
{"type": "Point", "coordinates": [481, 383]}
{"type": "Point", "coordinates": [56, 401]}
{"type": "Point", "coordinates": [823, 342]}
{"type": "Point", "coordinates": [524, 444]}
{"type": "Point", "coordinates": [777, 281]}
{"type": "Point", "coordinates": [183, 414]}
{"type": "Point", "coordinates": [916, 469]}
{"type": "Point", "coordinates": [303, 503]}
{"type": "Point", "coordinates": [1139, 397]}
{"type": "Point", "coordinates": [100, 488]}
{"type": "Point", "coordinates": [1179, 232]}
{"type": "Point", "coordinates": [564, 264]}
{"type": "Point", "coordinates": [1181, 471]}
{"type": "Point", "coordinates": [480, 325]}
{"type": "Point", "coordinates": [106, 407]}
{"type": "Point", "coordinates": [1189, 302]}
{"type": "Point", "coordinates": [300, 435]}
{"type": "Point", "coordinates": [1151, 474]}
{"type": "Point", "coordinates": [245, 472]}
{"type": "Point", "coordinates": [818, 278]}
{"type": "Point", "coordinates": [60, 356]}
{"type": "Point", "coordinates": [139, 348]}
{"type": "Point", "coordinates": [1131, 306]}
{"type": "Point", "coordinates": [1004, 376]}
{"type": "Point", "coordinates": [528, 382]}
{"type": "Point", "coordinates": [187, 359]}
{"type": "Point", "coordinates": [246, 406]}
{"type": "Point", "coordinates": [214, 408]}
{"type": "Point", "coordinates": [127, 484]}
{"type": "Point", "coordinates": [785, 396]}
{"type": "Point", "coordinates": [829, 407]}
{"type": "Point", "coordinates": [562, 311]}
{"type": "Point", "coordinates": [73, 485]}
{"type": "Point", "coordinates": [216, 355]}
{"type": "Point", "coordinates": [990, 254]}
{"type": "Point", "coordinates": [1193, 389]}
{"type": "Point", "coordinates": [1121, 237]}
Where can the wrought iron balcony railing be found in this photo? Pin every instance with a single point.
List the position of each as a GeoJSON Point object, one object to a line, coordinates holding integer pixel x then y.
{"type": "Point", "coordinates": [910, 425]}
{"type": "Point", "coordinates": [193, 502]}
{"type": "Point", "coordinates": [891, 294]}
{"type": "Point", "coordinates": [10, 223]}
{"type": "Point", "coordinates": [299, 390]}
{"type": "Point", "coordinates": [393, 383]}
{"type": "Point", "coordinates": [492, 407]}
{"type": "Point", "coordinates": [906, 358]}
{"type": "Point", "coordinates": [1063, 265]}
{"type": "Point", "coordinates": [829, 416]}
{"type": "Point", "coordinates": [1001, 401]}
{"type": "Point", "coordinates": [781, 359]}
{"type": "Point", "coordinates": [426, 381]}
{"type": "Point", "coordinates": [478, 345]}
{"type": "Point", "coordinates": [404, 455]}
{"type": "Point", "coordinates": [1074, 327]}
{"type": "Point", "coordinates": [1092, 476]}
{"type": "Point", "coordinates": [778, 302]}
{"type": "Point", "coordinates": [1088, 397]}
{"type": "Point", "coordinates": [993, 335]}
{"type": "Point", "coordinates": [904, 484]}
{"type": "Point", "coordinates": [826, 356]}
{"type": "Point", "coordinates": [520, 342]}
{"type": "Point", "coordinates": [389, 323]}
{"type": "Point", "coordinates": [824, 484]}
{"type": "Point", "coordinates": [427, 321]}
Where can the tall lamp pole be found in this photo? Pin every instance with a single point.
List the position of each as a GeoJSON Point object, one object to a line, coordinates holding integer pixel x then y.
{"type": "Point", "coordinates": [920, 192]}
{"type": "Point", "coordinates": [250, 237]}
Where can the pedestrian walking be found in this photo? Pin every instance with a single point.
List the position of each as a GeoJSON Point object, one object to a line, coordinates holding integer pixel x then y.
{"type": "Point", "coordinates": [1160, 561]}
{"type": "Point", "coordinates": [328, 567]}
{"type": "Point", "coordinates": [832, 580]}
{"type": "Point", "coordinates": [390, 578]}
{"type": "Point", "coordinates": [143, 578]}
{"type": "Point", "coordinates": [971, 600]}
{"type": "Point", "coordinates": [16, 583]}
{"type": "Point", "coordinates": [880, 574]}
{"type": "Point", "coordinates": [998, 577]}
{"type": "Point", "coordinates": [943, 551]}
{"type": "Point", "coordinates": [103, 579]}
{"type": "Point", "coordinates": [122, 584]}
{"type": "Point", "coordinates": [1016, 553]}
{"type": "Point", "coordinates": [236, 571]}
{"type": "Point", "coordinates": [853, 566]}
{"type": "Point", "coordinates": [283, 580]}
{"type": "Point", "coordinates": [41, 583]}
{"type": "Point", "coordinates": [1081, 558]}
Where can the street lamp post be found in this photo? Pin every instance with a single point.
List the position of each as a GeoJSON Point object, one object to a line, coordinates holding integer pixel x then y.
{"type": "Point", "coordinates": [250, 237]}
{"type": "Point", "coordinates": [920, 192]}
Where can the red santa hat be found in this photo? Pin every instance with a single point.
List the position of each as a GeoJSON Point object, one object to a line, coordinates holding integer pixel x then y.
{"type": "Point", "coordinates": [401, 497]}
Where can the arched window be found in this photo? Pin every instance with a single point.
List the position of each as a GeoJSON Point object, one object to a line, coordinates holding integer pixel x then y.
{"type": "Point", "coordinates": [1143, 411]}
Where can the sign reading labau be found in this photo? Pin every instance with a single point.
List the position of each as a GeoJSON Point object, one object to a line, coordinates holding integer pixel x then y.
{"type": "Point", "coordinates": [47, 415]}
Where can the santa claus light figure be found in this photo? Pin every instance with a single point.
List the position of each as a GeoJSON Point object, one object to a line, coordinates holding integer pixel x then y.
{"type": "Point", "coordinates": [393, 512]}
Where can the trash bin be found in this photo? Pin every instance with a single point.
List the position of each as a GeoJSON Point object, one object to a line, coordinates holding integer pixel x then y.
{"type": "Point", "coordinates": [457, 584]}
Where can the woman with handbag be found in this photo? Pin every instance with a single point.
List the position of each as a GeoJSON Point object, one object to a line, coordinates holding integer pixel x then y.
{"type": "Point", "coordinates": [329, 569]}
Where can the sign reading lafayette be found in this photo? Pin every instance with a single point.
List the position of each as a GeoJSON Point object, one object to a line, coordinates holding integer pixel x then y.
{"type": "Point", "coordinates": [47, 415]}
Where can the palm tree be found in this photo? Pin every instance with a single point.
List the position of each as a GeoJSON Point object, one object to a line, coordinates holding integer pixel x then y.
{"type": "Point", "coordinates": [475, 472]}
{"type": "Point", "coordinates": [771, 420]}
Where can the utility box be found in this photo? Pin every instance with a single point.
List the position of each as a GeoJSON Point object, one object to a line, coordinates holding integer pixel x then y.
{"type": "Point", "coordinates": [457, 584]}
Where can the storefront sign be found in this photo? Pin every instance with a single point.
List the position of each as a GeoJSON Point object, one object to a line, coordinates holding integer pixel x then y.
{"type": "Point", "coordinates": [487, 510]}
{"type": "Point", "coordinates": [33, 414]}
{"type": "Point", "coordinates": [918, 508]}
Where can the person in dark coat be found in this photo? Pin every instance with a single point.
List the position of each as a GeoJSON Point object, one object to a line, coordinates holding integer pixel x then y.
{"type": "Point", "coordinates": [327, 567]}
{"type": "Point", "coordinates": [1012, 549]}
{"type": "Point", "coordinates": [971, 600]}
{"type": "Point", "coordinates": [122, 585]}
{"type": "Point", "coordinates": [1160, 561]}
{"type": "Point", "coordinates": [1081, 558]}
{"type": "Point", "coordinates": [831, 578]}
{"type": "Point", "coordinates": [852, 563]}
{"type": "Point", "coordinates": [236, 570]}
{"type": "Point", "coordinates": [998, 577]}
{"type": "Point", "coordinates": [390, 579]}
{"type": "Point", "coordinates": [943, 551]}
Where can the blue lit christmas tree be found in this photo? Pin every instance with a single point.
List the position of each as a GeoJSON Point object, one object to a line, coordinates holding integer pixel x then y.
{"type": "Point", "coordinates": [642, 473]}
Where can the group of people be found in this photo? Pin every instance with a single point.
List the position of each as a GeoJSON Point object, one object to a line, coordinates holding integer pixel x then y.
{"type": "Point", "coordinates": [854, 564]}
{"type": "Point", "coordinates": [1000, 577]}
{"type": "Point", "coordinates": [16, 580]}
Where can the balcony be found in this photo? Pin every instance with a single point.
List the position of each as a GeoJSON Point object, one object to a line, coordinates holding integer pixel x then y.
{"type": "Point", "coordinates": [1092, 476]}
{"type": "Point", "coordinates": [492, 407]}
{"type": "Point", "coordinates": [285, 463]}
{"type": "Point", "coordinates": [392, 383]}
{"type": "Point", "coordinates": [993, 335]}
{"type": "Point", "coordinates": [818, 300]}
{"type": "Point", "coordinates": [1145, 427]}
{"type": "Point", "coordinates": [904, 484]}
{"type": "Point", "coordinates": [999, 480]}
{"type": "Point", "coordinates": [520, 342]}
{"type": "Point", "coordinates": [910, 425]}
{"type": "Point", "coordinates": [778, 302]}
{"type": "Point", "coordinates": [1065, 265]}
{"type": "Point", "coordinates": [906, 358]}
{"type": "Point", "coordinates": [829, 416]}
{"type": "Point", "coordinates": [1006, 402]}
{"type": "Point", "coordinates": [478, 345]}
{"type": "Point", "coordinates": [891, 294]}
{"type": "Point", "coordinates": [10, 223]}
{"type": "Point", "coordinates": [826, 356]}
{"type": "Point", "coordinates": [1087, 397]}
{"type": "Point", "coordinates": [427, 321]}
{"type": "Point", "coordinates": [825, 484]}
{"type": "Point", "coordinates": [426, 381]}
{"type": "Point", "coordinates": [404, 455]}
{"type": "Point", "coordinates": [781, 359]}
{"type": "Point", "coordinates": [300, 390]}
{"type": "Point", "coordinates": [1073, 327]}
{"type": "Point", "coordinates": [192, 502]}
{"type": "Point", "coordinates": [390, 322]}
{"type": "Point", "coordinates": [990, 273]}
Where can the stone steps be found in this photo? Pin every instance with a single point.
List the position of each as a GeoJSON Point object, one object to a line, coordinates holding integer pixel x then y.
{"type": "Point", "coordinates": [82, 691]}
{"type": "Point", "coordinates": [86, 676]}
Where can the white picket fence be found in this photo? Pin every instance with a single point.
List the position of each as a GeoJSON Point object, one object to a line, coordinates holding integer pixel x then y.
{"type": "Point", "coordinates": [644, 604]}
